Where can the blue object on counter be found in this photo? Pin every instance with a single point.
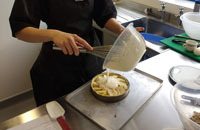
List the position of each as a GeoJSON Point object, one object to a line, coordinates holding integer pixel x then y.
{"type": "Point", "coordinates": [197, 1]}
{"type": "Point", "coordinates": [152, 38]}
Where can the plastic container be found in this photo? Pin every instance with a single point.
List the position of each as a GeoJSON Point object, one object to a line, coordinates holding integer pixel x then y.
{"type": "Point", "coordinates": [191, 24]}
{"type": "Point", "coordinates": [183, 106]}
{"type": "Point", "coordinates": [126, 51]}
{"type": "Point", "coordinates": [183, 73]}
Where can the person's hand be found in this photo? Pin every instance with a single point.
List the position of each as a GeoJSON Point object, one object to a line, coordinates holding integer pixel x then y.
{"type": "Point", "coordinates": [68, 42]}
{"type": "Point", "coordinates": [139, 29]}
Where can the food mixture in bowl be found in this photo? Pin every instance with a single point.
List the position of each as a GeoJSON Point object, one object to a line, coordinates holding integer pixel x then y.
{"type": "Point", "coordinates": [196, 117]}
{"type": "Point", "coordinates": [110, 84]}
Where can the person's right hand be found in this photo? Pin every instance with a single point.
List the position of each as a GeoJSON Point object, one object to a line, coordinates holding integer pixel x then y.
{"type": "Point", "coordinates": [68, 42]}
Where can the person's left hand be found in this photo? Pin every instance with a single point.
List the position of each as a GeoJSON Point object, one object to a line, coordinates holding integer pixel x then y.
{"type": "Point", "coordinates": [139, 29]}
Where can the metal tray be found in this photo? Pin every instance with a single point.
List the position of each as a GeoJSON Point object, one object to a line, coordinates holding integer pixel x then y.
{"type": "Point", "coordinates": [112, 116]}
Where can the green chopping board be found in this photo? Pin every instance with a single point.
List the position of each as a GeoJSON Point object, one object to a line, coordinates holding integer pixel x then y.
{"type": "Point", "coordinates": [179, 47]}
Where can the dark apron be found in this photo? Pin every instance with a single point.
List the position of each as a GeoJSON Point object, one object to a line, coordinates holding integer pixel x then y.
{"type": "Point", "coordinates": [55, 74]}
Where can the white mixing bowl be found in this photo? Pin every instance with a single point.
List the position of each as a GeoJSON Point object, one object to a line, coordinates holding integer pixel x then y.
{"type": "Point", "coordinates": [191, 24]}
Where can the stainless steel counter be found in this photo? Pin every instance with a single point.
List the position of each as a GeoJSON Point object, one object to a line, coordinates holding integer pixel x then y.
{"type": "Point", "coordinates": [159, 112]}
{"type": "Point", "coordinates": [23, 118]}
{"type": "Point", "coordinates": [156, 114]}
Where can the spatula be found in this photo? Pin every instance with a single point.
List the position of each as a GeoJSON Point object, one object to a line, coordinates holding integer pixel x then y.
{"type": "Point", "coordinates": [56, 112]}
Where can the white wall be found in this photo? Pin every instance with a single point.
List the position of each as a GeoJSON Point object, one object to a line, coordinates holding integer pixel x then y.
{"type": "Point", "coordinates": [16, 57]}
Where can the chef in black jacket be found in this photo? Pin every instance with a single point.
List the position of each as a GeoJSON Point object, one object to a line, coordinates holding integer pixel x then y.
{"type": "Point", "coordinates": [69, 22]}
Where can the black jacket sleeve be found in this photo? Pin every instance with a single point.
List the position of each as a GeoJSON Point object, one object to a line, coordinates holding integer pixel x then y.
{"type": "Point", "coordinates": [103, 11]}
{"type": "Point", "coordinates": [25, 13]}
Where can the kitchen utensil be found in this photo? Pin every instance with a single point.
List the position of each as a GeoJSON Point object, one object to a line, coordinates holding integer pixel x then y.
{"type": "Point", "coordinates": [126, 51]}
{"type": "Point", "coordinates": [182, 41]}
{"type": "Point", "coordinates": [178, 41]}
{"type": "Point", "coordinates": [186, 37]}
{"type": "Point", "coordinates": [110, 98]}
{"type": "Point", "coordinates": [99, 51]}
{"type": "Point", "coordinates": [56, 111]}
{"type": "Point", "coordinates": [191, 100]}
{"type": "Point", "coordinates": [191, 24]}
{"type": "Point", "coordinates": [183, 73]}
{"type": "Point", "coordinates": [179, 94]}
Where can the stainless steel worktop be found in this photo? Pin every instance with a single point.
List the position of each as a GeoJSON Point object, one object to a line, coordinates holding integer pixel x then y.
{"type": "Point", "coordinates": [113, 116]}
{"type": "Point", "coordinates": [156, 114]}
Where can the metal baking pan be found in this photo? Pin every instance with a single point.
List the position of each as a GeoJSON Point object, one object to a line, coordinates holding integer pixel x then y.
{"type": "Point", "coordinates": [113, 116]}
{"type": "Point", "coordinates": [111, 98]}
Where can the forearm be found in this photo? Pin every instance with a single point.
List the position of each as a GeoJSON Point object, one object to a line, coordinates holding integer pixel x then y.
{"type": "Point", "coordinates": [66, 41]}
{"type": "Point", "coordinates": [117, 28]}
{"type": "Point", "coordinates": [34, 35]}
{"type": "Point", "coordinates": [114, 26]}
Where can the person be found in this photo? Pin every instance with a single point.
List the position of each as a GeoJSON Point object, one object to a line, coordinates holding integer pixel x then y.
{"type": "Point", "coordinates": [69, 24]}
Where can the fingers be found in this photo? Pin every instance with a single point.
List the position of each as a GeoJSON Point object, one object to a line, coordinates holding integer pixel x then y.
{"type": "Point", "coordinates": [69, 48]}
{"type": "Point", "coordinates": [71, 44]}
{"type": "Point", "coordinates": [74, 47]}
{"type": "Point", "coordinates": [68, 43]}
{"type": "Point", "coordinates": [139, 29]}
{"type": "Point", "coordinates": [65, 47]}
{"type": "Point", "coordinates": [82, 42]}
{"type": "Point", "coordinates": [64, 50]}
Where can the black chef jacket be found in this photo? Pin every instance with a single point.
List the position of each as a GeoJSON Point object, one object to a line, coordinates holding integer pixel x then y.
{"type": "Point", "coordinates": [55, 74]}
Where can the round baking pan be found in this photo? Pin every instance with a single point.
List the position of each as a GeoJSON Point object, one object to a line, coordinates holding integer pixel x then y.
{"type": "Point", "coordinates": [110, 98]}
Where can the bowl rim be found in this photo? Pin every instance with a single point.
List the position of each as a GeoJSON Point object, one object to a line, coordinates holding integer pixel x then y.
{"type": "Point", "coordinates": [185, 19]}
{"type": "Point", "coordinates": [128, 84]}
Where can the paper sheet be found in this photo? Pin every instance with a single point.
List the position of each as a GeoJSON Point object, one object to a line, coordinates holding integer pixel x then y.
{"type": "Point", "coordinates": [42, 123]}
